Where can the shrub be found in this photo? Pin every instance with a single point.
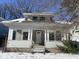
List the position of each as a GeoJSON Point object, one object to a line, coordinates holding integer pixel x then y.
{"type": "Point", "coordinates": [69, 46]}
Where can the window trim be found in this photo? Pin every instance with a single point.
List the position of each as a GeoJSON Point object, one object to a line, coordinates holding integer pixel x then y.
{"type": "Point", "coordinates": [54, 35]}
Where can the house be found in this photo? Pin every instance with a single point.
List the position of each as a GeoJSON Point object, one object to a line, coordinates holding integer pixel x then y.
{"type": "Point", "coordinates": [35, 30]}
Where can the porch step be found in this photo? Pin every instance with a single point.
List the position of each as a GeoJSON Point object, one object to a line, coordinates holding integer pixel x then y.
{"type": "Point", "coordinates": [38, 49]}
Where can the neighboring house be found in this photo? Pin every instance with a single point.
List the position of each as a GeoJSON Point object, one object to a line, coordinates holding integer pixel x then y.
{"type": "Point", "coordinates": [36, 29]}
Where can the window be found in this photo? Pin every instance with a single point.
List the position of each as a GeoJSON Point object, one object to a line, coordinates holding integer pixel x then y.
{"type": "Point", "coordinates": [14, 35]}
{"type": "Point", "coordinates": [25, 35]}
{"type": "Point", "coordinates": [35, 18]}
{"type": "Point", "coordinates": [58, 35]}
{"type": "Point", "coordinates": [42, 19]}
{"type": "Point", "coordinates": [51, 36]}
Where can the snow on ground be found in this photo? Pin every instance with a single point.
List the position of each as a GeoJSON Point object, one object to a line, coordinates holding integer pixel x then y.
{"type": "Point", "coordinates": [37, 56]}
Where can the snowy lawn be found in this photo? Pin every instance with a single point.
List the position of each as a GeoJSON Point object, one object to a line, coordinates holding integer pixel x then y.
{"type": "Point", "coordinates": [37, 56]}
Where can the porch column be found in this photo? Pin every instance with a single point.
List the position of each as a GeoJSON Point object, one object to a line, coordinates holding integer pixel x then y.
{"type": "Point", "coordinates": [45, 35]}
{"type": "Point", "coordinates": [31, 32]}
{"type": "Point", "coordinates": [10, 34]}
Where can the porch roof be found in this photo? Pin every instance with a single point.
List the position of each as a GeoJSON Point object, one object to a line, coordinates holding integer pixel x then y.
{"type": "Point", "coordinates": [39, 14]}
{"type": "Point", "coordinates": [38, 25]}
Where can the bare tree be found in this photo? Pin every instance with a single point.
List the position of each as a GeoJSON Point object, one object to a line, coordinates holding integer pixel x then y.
{"type": "Point", "coordinates": [72, 5]}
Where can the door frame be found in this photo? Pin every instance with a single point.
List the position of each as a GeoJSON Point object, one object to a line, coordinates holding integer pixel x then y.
{"type": "Point", "coordinates": [42, 36]}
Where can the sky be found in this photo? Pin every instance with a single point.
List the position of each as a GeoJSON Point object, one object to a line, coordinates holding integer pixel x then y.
{"type": "Point", "coordinates": [42, 5]}
{"type": "Point", "coordinates": [52, 6]}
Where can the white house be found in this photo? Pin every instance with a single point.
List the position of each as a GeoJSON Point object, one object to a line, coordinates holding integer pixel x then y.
{"type": "Point", "coordinates": [36, 29]}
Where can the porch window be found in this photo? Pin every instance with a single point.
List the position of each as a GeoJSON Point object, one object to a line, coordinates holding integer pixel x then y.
{"type": "Point", "coordinates": [25, 35]}
{"type": "Point", "coordinates": [51, 36]}
{"type": "Point", "coordinates": [14, 35]}
{"type": "Point", "coordinates": [58, 35]}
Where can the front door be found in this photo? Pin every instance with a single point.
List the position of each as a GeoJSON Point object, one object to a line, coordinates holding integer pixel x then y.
{"type": "Point", "coordinates": [38, 37]}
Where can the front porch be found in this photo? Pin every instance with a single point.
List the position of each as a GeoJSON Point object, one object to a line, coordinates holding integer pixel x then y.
{"type": "Point", "coordinates": [27, 35]}
{"type": "Point", "coordinates": [29, 39]}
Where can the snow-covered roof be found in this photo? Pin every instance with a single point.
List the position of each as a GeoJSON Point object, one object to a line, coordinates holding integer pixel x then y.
{"type": "Point", "coordinates": [37, 25]}
{"type": "Point", "coordinates": [1, 19]}
{"type": "Point", "coordinates": [14, 20]}
{"type": "Point", "coordinates": [63, 22]}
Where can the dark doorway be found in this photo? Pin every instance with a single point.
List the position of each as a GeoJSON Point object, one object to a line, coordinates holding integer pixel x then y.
{"type": "Point", "coordinates": [38, 37]}
{"type": "Point", "coordinates": [2, 42]}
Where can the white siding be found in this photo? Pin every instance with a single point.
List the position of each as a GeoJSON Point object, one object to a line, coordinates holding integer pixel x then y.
{"type": "Point", "coordinates": [19, 44]}
{"type": "Point", "coordinates": [18, 36]}
{"type": "Point", "coordinates": [52, 44]}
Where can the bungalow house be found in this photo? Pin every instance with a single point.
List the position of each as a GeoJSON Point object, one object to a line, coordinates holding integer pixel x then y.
{"type": "Point", "coordinates": [36, 30]}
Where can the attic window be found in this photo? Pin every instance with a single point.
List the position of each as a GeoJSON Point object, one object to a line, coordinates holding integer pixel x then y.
{"type": "Point", "coordinates": [35, 18]}
{"type": "Point", "coordinates": [42, 19]}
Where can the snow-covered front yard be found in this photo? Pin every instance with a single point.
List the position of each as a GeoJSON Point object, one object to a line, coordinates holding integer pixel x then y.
{"type": "Point", "coordinates": [37, 56]}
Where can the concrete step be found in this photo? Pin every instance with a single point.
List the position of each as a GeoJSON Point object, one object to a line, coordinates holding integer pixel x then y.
{"type": "Point", "coordinates": [38, 48]}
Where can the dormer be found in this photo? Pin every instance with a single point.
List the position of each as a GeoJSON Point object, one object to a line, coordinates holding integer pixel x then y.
{"type": "Point", "coordinates": [39, 17]}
